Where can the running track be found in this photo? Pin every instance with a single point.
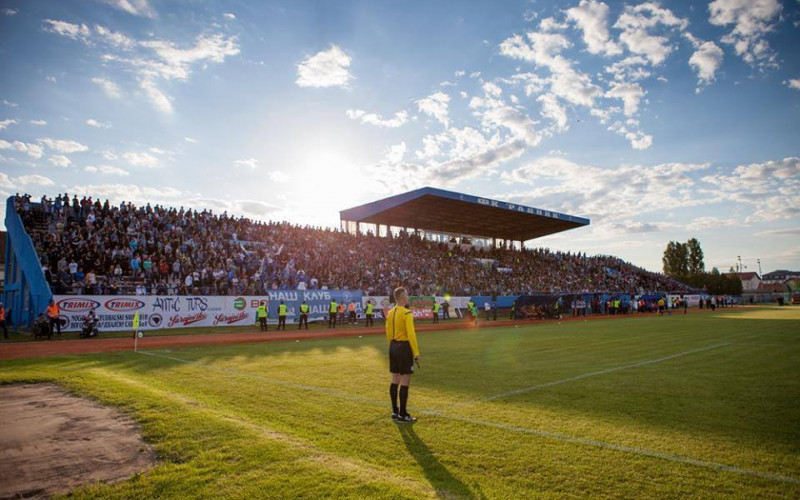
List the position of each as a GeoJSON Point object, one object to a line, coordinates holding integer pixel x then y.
{"type": "Point", "coordinates": [37, 349]}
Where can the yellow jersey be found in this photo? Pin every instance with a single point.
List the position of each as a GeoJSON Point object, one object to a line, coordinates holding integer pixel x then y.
{"type": "Point", "coordinates": [400, 326]}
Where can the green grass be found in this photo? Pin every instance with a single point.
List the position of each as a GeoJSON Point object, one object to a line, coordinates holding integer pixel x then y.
{"type": "Point", "coordinates": [721, 418]}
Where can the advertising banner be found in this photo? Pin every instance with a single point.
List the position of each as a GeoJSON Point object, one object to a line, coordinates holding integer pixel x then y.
{"type": "Point", "coordinates": [421, 306]}
{"type": "Point", "coordinates": [116, 312]}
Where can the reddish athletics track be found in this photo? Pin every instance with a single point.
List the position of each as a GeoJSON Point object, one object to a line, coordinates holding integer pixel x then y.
{"type": "Point", "coordinates": [37, 349]}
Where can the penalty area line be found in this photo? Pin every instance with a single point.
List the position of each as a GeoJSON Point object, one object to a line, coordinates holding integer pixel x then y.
{"type": "Point", "coordinates": [496, 425]}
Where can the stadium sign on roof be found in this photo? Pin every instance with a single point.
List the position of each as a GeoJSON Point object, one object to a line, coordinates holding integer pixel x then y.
{"type": "Point", "coordinates": [431, 209]}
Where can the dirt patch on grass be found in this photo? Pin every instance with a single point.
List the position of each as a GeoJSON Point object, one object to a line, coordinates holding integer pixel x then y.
{"type": "Point", "coordinates": [52, 442]}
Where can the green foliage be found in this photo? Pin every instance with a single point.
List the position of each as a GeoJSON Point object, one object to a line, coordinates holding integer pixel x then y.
{"type": "Point", "coordinates": [311, 419]}
{"type": "Point", "coordinates": [684, 262]}
{"type": "Point", "coordinates": [676, 260]}
{"type": "Point", "coordinates": [695, 262]}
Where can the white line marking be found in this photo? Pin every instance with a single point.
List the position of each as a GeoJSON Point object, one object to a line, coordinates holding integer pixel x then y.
{"type": "Point", "coordinates": [510, 428]}
{"type": "Point", "coordinates": [590, 374]}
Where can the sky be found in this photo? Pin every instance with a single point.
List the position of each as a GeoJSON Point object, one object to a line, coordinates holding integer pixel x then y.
{"type": "Point", "coordinates": [658, 121]}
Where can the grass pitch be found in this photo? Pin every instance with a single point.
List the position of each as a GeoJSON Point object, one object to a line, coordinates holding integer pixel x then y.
{"type": "Point", "coordinates": [704, 405]}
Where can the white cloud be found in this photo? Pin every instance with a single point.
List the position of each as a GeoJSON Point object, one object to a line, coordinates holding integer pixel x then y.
{"type": "Point", "coordinates": [636, 23]}
{"type": "Point", "coordinates": [6, 123]}
{"type": "Point", "coordinates": [109, 155]}
{"type": "Point", "coordinates": [6, 182]}
{"type": "Point", "coordinates": [436, 106]}
{"type": "Point", "coordinates": [9, 12]}
{"type": "Point", "coordinates": [629, 69]}
{"type": "Point", "coordinates": [592, 18]}
{"type": "Point", "coordinates": [396, 153]}
{"type": "Point", "coordinates": [772, 188]}
{"type": "Point", "coordinates": [51, 79]}
{"type": "Point", "coordinates": [706, 60]}
{"type": "Point", "coordinates": [60, 161]}
{"type": "Point", "coordinates": [706, 223]}
{"type": "Point", "coordinates": [229, 16]}
{"type": "Point", "coordinates": [629, 93]}
{"type": "Point", "coordinates": [544, 51]}
{"type": "Point", "coordinates": [328, 68]}
{"type": "Point", "coordinates": [549, 24]}
{"type": "Point", "coordinates": [64, 146]}
{"type": "Point", "coordinates": [135, 193]}
{"type": "Point", "coordinates": [492, 89]}
{"type": "Point", "coordinates": [793, 83]}
{"type": "Point", "coordinates": [189, 139]}
{"type": "Point", "coordinates": [175, 63]}
{"type": "Point", "coordinates": [278, 177]}
{"type": "Point", "coordinates": [159, 99]}
{"type": "Point", "coordinates": [141, 159]}
{"type": "Point", "coordinates": [150, 60]}
{"type": "Point", "coordinates": [96, 124]}
{"type": "Point", "coordinates": [400, 118]}
{"type": "Point", "coordinates": [106, 170]}
{"type": "Point", "coordinates": [114, 38]}
{"type": "Point", "coordinates": [637, 138]}
{"type": "Point", "coordinates": [110, 88]}
{"type": "Point", "coordinates": [10, 104]}
{"type": "Point", "coordinates": [35, 179]}
{"type": "Point", "coordinates": [552, 110]}
{"type": "Point", "coordinates": [608, 194]}
{"type": "Point", "coordinates": [35, 151]}
{"type": "Point", "coordinates": [250, 163]}
{"type": "Point", "coordinates": [69, 30]}
{"type": "Point", "coordinates": [38, 123]}
{"type": "Point", "coordinates": [497, 115]}
{"type": "Point", "coordinates": [751, 20]}
{"type": "Point", "coordinates": [140, 8]}
{"type": "Point", "coordinates": [258, 208]}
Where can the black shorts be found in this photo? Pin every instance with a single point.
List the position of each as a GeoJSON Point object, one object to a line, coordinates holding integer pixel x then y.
{"type": "Point", "coordinates": [401, 359]}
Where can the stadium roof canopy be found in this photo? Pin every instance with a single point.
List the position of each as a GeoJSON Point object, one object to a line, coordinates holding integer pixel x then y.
{"type": "Point", "coordinates": [437, 210]}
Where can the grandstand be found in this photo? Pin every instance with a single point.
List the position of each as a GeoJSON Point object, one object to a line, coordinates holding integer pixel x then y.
{"type": "Point", "coordinates": [442, 215]}
{"type": "Point", "coordinates": [84, 247]}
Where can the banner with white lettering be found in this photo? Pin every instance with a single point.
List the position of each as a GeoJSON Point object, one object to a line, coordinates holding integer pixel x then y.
{"type": "Point", "coordinates": [116, 312]}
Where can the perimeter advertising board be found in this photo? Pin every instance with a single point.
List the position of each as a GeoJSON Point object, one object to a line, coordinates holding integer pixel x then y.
{"type": "Point", "coordinates": [116, 312]}
{"type": "Point", "coordinates": [421, 306]}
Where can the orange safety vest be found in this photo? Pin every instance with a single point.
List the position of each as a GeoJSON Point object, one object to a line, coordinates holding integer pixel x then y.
{"type": "Point", "coordinates": [52, 311]}
{"type": "Point", "coordinates": [341, 308]}
{"type": "Point", "coordinates": [351, 307]}
{"type": "Point", "coordinates": [2, 313]}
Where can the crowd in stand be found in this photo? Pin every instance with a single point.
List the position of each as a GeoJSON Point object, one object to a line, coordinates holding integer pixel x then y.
{"type": "Point", "coordinates": [93, 247]}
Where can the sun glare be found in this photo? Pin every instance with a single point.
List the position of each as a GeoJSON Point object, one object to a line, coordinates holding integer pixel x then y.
{"type": "Point", "coordinates": [332, 182]}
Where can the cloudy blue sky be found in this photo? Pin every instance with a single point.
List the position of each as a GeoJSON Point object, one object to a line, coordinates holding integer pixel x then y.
{"type": "Point", "coordinates": [658, 121]}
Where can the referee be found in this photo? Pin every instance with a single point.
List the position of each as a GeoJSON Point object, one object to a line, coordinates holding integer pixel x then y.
{"type": "Point", "coordinates": [403, 352]}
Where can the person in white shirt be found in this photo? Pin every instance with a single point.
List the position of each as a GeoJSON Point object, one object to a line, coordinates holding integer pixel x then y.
{"type": "Point", "coordinates": [488, 308]}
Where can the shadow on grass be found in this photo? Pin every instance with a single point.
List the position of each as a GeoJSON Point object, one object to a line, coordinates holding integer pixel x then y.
{"type": "Point", "coordinates": [440, 478]}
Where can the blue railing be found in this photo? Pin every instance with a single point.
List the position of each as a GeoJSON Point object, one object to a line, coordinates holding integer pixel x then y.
{"type": "Point", "coordinates": [26, 293]}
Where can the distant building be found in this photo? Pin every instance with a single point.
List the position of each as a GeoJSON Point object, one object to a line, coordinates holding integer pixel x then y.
{"type": "Point", "coordinates": [750, 281]}
{"type": "Point", "coordinates": [772, 288]}
{"type": "Point", "coordinates": [780, 276]}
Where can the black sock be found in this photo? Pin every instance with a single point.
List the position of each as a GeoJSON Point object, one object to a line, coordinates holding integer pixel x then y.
{"type": "Point", "coordinates": [403, 399]}
{"type": "Point", "coordinates": [393, 395]}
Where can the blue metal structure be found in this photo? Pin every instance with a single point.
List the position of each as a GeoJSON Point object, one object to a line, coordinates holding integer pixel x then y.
{"type": "Point", "coordinates": [444, 211]}
{"type": "Point", "coordinates": [26, 293]}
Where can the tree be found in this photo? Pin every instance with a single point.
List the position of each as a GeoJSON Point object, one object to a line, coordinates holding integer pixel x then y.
{"type": "Point", "coordinates": [676, 260]}
{"type": "Point", "coordinates": [696, 264]}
